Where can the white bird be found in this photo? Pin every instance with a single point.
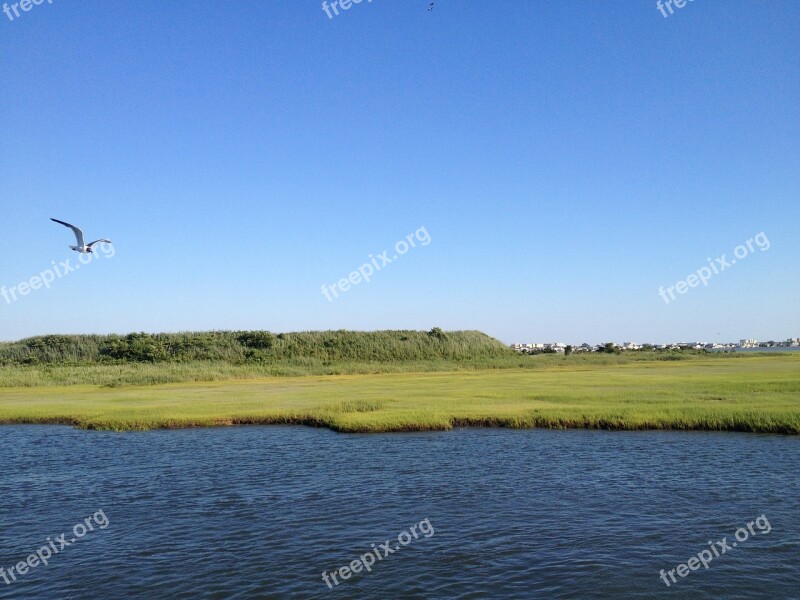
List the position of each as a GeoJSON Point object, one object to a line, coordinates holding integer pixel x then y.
{"type": "Point", "coordinates": [82, 246]}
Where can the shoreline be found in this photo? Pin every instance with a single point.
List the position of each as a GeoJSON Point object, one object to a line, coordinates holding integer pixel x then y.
{"type": "Point", "coordinates": [458, 423]}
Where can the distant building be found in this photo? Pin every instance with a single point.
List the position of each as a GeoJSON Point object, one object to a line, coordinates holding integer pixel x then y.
{"type": "Point", "coordinates": [535, 348]}
{"type": "Point", "coordinates": [560, 347]}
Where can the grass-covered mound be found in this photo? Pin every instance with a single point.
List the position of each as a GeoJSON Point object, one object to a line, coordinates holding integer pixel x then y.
{"type": "Point", "coordinates": [253, 347]}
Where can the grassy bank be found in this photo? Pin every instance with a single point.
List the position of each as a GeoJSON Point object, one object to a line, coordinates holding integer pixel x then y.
{"type": "Point", "coordinates": [723, 393]}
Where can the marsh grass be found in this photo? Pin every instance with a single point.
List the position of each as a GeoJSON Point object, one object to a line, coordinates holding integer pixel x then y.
{"type": "Point", "coordinates": [753, 393]}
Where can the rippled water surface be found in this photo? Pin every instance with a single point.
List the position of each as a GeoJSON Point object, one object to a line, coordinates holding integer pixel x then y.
{"type": "Point", "coordinates": [261, 512]}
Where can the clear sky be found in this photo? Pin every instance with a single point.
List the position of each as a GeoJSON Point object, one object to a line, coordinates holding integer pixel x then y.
{"type": "Point", "coordinates": [567, 159]}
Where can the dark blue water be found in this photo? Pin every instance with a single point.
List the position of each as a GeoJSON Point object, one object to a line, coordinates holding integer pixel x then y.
{"type": "Point", "coordinates": [261, 512]}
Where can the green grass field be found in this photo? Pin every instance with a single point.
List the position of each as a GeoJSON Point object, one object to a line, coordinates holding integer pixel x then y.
{"type": "Point", "coordinates": [756, 393]}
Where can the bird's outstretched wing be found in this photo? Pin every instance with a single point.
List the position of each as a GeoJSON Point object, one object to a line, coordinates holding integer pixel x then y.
{"type": "Point", "coordinates": [98, 242]}
{"type": "Point", "coordinates": [78, 233]}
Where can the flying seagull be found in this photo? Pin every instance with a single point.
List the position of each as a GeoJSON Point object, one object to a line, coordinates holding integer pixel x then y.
{"type": "Point", "coordinates": [430, 7]}
{"type": "Point", "coordinates": [82, 246]}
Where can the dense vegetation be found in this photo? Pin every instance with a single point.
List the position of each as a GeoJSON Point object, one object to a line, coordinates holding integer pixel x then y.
{"type": "Point", "coordinates": [252, 347]}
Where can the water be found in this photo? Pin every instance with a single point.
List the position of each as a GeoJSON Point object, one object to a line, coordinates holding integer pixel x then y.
{"type": "Point", "coordinates": [260, 512]}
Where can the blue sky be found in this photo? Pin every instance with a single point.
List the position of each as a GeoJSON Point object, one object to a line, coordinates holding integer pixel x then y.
{"type": "Point", "coordinates": [567, 159]}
